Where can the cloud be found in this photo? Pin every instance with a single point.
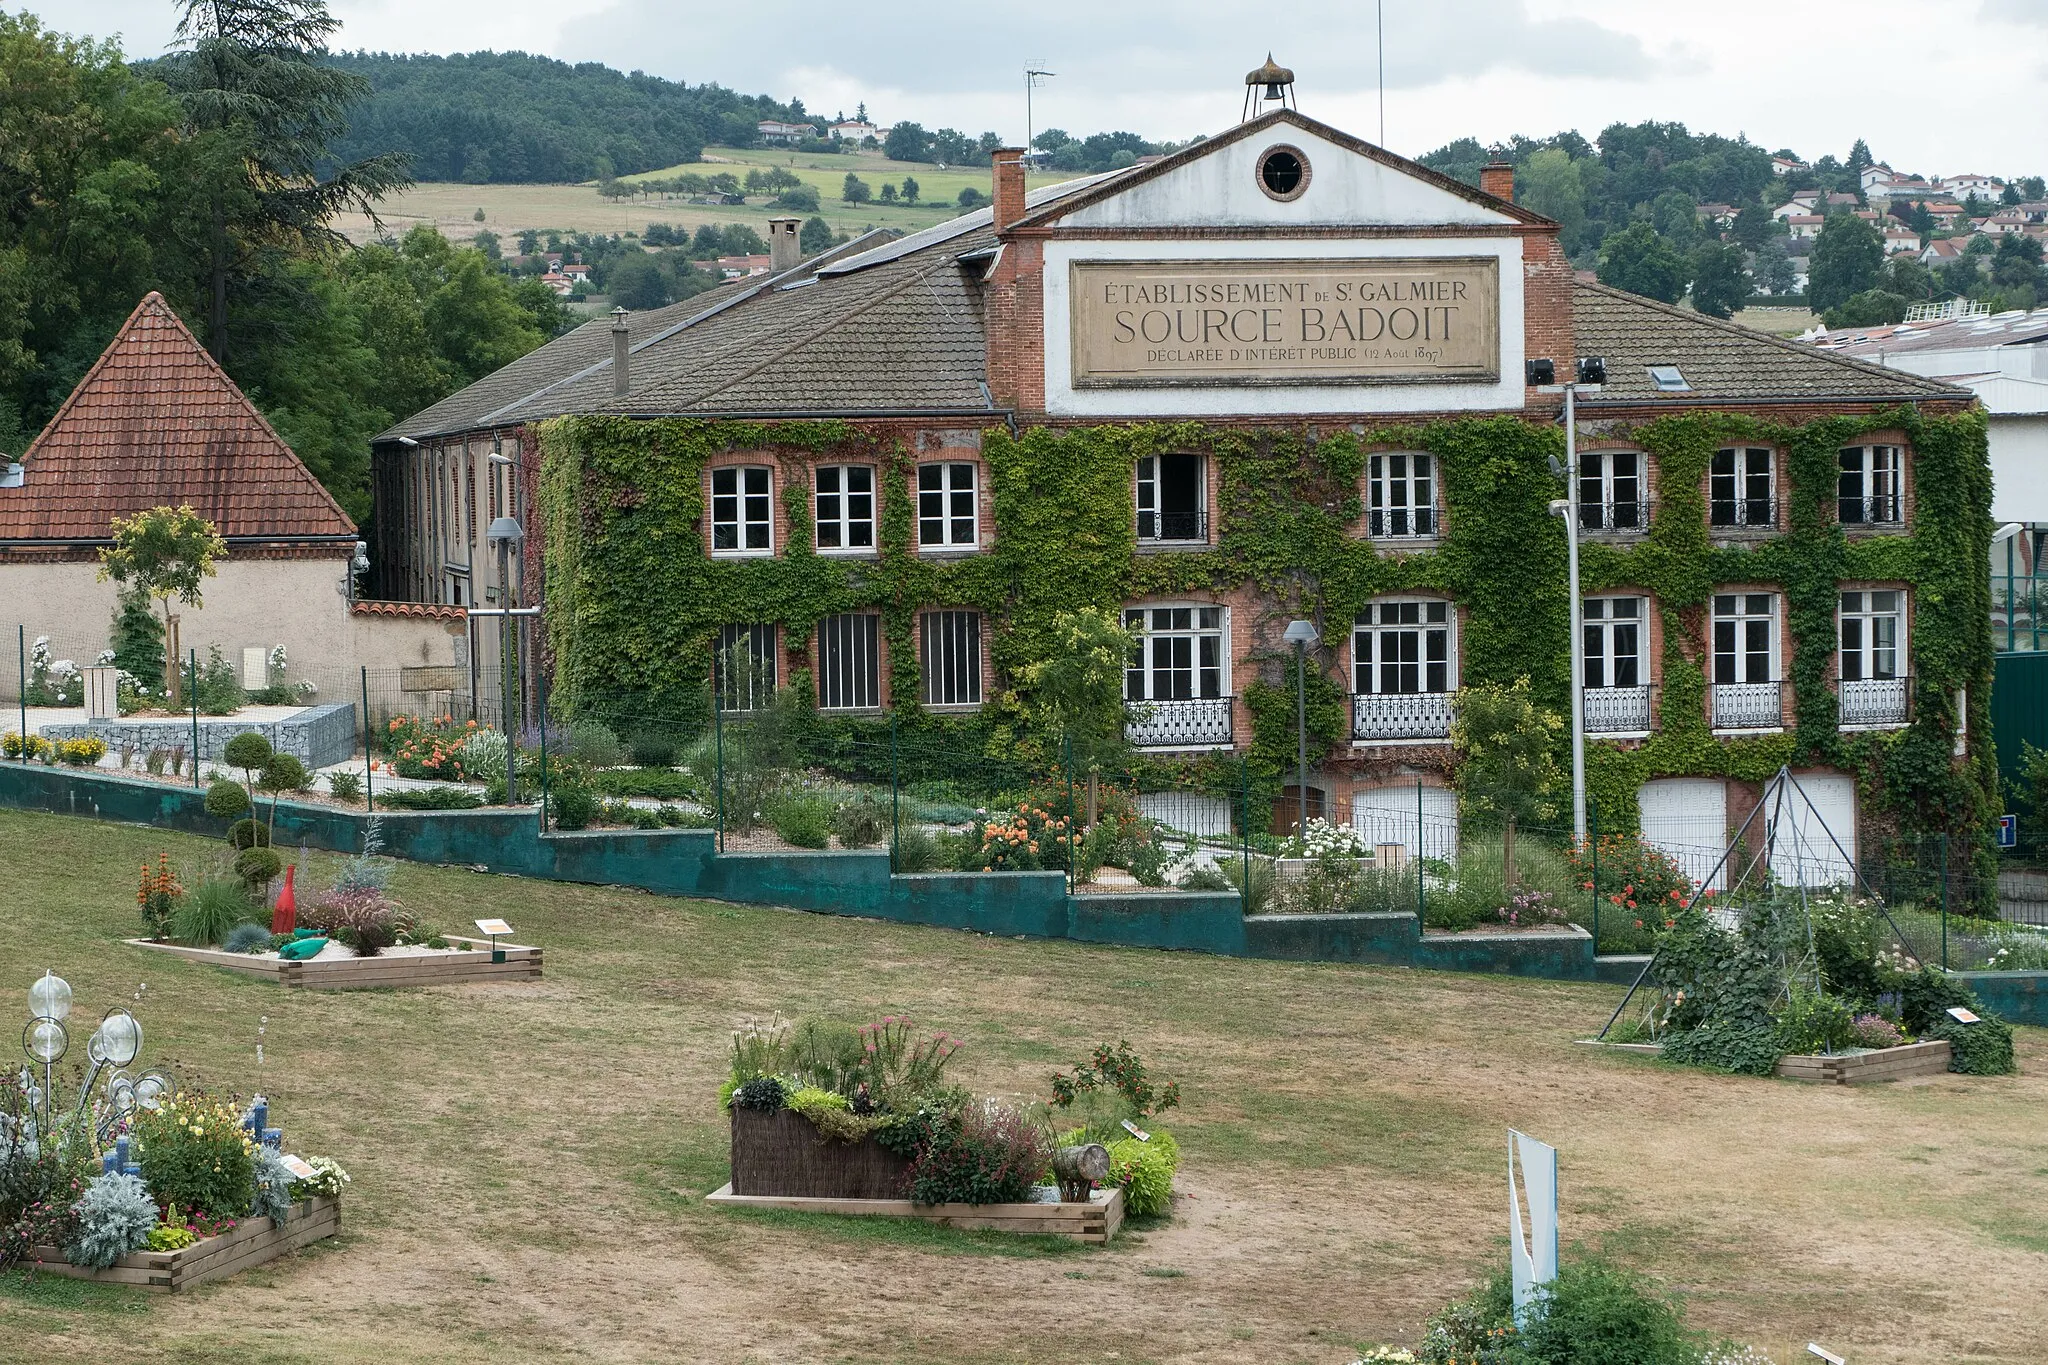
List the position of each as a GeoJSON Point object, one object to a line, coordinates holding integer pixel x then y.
{"type": "Point", "coordinates": [1110, 51]}
{"type": "Point", "coordinates": [2017, 11]}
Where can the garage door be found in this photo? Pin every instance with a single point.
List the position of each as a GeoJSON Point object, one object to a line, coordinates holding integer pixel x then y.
{"type": "Point", "coordinates": [1687, 817]}
{"type": "Point", "coordinates": [1812, 840]}
{"type": "Point", "coordinates": [1425, 821]}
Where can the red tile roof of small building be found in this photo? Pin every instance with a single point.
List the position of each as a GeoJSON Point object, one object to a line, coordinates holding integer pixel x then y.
{"type": "Point", "coordinates": [156, 422]}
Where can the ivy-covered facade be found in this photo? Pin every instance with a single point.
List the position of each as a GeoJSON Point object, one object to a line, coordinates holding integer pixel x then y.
{"type": "Point", "coordinates": [884, 474]}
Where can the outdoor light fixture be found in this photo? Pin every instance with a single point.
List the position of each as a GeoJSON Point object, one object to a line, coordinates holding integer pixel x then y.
{"type": "Point", "coordinates": [1588, 372]}
{"type": "Point", "coordinates": [1540, 373]}
{"type": "Point", "coordinates": [1593, 370]}
{"type": "Point", "coordinates": [1301, 634]}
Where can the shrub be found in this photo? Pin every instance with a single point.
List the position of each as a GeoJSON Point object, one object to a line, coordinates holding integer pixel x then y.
{"type": "Point", "coordinates": [256, 867]}
{"type": "Point", "coordinates": [571, 807]}
{"type": "Point", "coordinates": [81, 753]}
{"type": "Point", "coordinates": [430, 749]}
{"type": "Point", "coordinates": [860, 823]}
{"type": "Point", "coordinates": [1145, 1170]}
{"type": "Point", "coordinates": [652, 749]}
{"type": "Point", "coordinates": [225, 800]}
{"type": "Point", "coordinates": [989, 1153]}
{"type": "Point", "coordinates": [1597, 1314]}
{"type": "Point", "coordinates": [1811, 1022]}
{"type": "Point", "coordinates": [283, 773]}
{"type": "Point", "coordinates": [1980, 1049]}
{"type": "Point", "coordinates": [248, 833]}
{"type": "Point", "coordinates": [484, 754]}
{"type": "Point", "coordinates": [1747, 1049]}
{"type": "Point", "coordinates": [1205, 877]}
{"type": "Point", "coordinates": [1120, 1069]}
{"type": "Point", "coordinates": [429, 798]}
{"type": "Point", "coordinates": [595, 744]}
{"type": "Point", "coordinates": [12, 745]}
{"type": "Point", "coordinates": [1254, 882]}
{"type": "Point", "coordinates": [114, 1216]}
{"type": "Point", "coordinates": [345, 786]}
{"type": "Point", "coordinates": [247, 751]}
{"type": "Point", "coordinates": [1028, 839]}
{"type": "Point", "coordinates": [210, 910]}
{"type": "Point", "coordinates": [273, 1186]}
{"type": "Point", "coordinates": [917, 850]}
{"type": "Point", "coordinates": [195, 1154]}
{"type": "Point", "coordinates": [1926, 996]}
{"type": "Point", "coordinates": [1876, 1031]}
{"type": "Point", "coordinates": [165, 1237]}
{"type": "Point", "coordinates": [219, 691]}
{"type": "Point", "coordinates": [763, 1094]}
{"type": "Point", "coordinates": [1327, 885]}
{"type": "Point", "coordinates": [804, 821]}
{"type": "Point", "coordinates": [657, 784]}
{"type": "Point", "coordinates": [248, 937]}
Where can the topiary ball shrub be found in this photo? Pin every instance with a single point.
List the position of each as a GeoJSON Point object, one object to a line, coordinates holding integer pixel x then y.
{"type": "Point", "coordinates": [248, 751]}
{"type": "Point", "coordinates": [249, 834]}
{"type": "Point", "coordinates": [256, 866]}
{"type": "Point", "coordinates": [283, 773]}
{"type": "Point", "coordinates": [225, 800]}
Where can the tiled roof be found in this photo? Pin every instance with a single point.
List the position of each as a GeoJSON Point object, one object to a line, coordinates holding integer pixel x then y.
{"type": "Point", "coordinates": [425, 611]}
{"type": "Point", "coordinates": [1722, 362]}
{"type": "Point", "coordinates": [156, 422]}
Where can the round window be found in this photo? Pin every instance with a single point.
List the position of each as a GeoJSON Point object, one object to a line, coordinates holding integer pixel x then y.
{"type": "Point", "coordinates": [1283, 173]}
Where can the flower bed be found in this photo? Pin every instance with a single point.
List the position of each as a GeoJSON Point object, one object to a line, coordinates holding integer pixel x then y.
{"type": "Point", "coordinates": [1857, 1066]}
{"type": "Point", "coordinates": [827, 1118]}
{"type": "Point", "coordinates": [337, 969]}
{"type": "Point", "coordinates": [247, 1244]}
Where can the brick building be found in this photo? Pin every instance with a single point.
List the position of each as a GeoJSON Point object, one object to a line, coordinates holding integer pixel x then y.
{"type": "Point", "coordinates": [1282, 372]}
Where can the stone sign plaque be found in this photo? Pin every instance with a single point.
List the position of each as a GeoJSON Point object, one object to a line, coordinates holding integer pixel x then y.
{"type": "Point", "coordinates": [1419, 320]}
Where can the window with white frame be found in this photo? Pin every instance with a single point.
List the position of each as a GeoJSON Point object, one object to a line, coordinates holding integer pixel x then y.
{"type": "Point", "coordinates": [952, 658]}
{"type": "Point", "coordinates": [1180, 654]}
{"type": "Point", "coordinates": [1741, 489]}
{"type": "Point", "coordinates": [1611, 491]}
{"type": "Point", "coordinates": [846, 507]}
{"type": "Point", "coordinates": [849, 662]}
{"type": "Point", "coordinates": [745, 666]}
{"type": "Point", "coordinates": [1613, 628]}
{"type": "Point", "coordinates": [1173, 501]}
{"type": "Point", "coordinates": [742, 511]}
{"type": "Point", "coordinates": [946, 516]}
{"type": "Point", "coordinates": [1870, 625]}
{"type": "Point", "coordinates": [1745, 637]}
{"type": "Point", "coordinates": [1868, 488]}
{"type": "Point", "coordinates": [1403, 645]}
{"type": "Point", "coordinates": [1400, 495]}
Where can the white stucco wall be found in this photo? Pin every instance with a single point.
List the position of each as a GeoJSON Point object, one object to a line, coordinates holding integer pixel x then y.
{"type": "Point", "coordinates": [296, 603]}
{"type": "Point", "coordinates": [2019, 467]}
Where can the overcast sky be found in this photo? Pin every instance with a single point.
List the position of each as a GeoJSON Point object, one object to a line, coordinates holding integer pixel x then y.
{"type": "Point", "coordinates": [1934, 85]}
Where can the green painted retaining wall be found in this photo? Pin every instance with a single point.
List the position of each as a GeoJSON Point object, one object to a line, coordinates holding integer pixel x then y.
{"type": "Point", "coordinates": [685, 862]}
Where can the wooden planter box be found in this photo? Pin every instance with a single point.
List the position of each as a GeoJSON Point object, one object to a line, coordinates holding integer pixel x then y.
{"type": "Point", "coordinates": [522, 963]}
{"type": "Point", "coordinates": [783, 1154]}
{"type": "Point", "coordinates": [250, 1243]}
{"type": "Point", "coordinates": [1095, 1221]}
{"type": "Point", "coordinates": [1885, 1064]}
{"type": "Point", "coordinates": [1852, 1068]}
{"type": "Point", "coordinates": [782, 1161]}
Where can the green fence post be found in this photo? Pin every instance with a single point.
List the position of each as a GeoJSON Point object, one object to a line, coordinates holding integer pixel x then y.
{"type": "Point", "coordinates": [1421, 895]}
{"type": "Point", "coordinates": [1593, 852]}
{"type": "Point", "coordinates": [1073, 846]}
{"type": "Point", "coordinates": [1244, 831]}
{"type": "Point", "coordinates": [718, 729]}
{"type": "Point", "coordinates": [194, 690]}
{"type": "Point", "coordinates": [21, 657]}
{"type": "Point", "coordinates": [895, 797]}
{"type": "Point", "coordinates": [1944, 900]}
{"type": "Point", "coordinates": [540, 687]}
{"type": "Point", "coordinates": [369, 733]}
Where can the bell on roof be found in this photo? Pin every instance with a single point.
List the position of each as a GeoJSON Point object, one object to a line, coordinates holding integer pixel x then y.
{"type": "Point", "coordinates": [1279, 87]}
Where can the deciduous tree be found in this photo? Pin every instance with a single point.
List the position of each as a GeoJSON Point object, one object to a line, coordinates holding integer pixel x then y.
{"type": "Point", "coordinates": [167, 552]}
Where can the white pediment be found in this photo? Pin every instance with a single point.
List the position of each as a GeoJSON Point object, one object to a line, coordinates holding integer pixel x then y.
{"type": "Point", "coordinates": [1346, 188]}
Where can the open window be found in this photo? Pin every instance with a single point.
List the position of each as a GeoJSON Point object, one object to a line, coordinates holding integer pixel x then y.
{"type": "Point", "coordinates": [1173, 500]}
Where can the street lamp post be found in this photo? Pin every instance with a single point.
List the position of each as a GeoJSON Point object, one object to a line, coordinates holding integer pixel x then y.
{"type": "Point", "coordinates": [1589, 373]}
{"type": "Point", "coordinates": [1301, 634]}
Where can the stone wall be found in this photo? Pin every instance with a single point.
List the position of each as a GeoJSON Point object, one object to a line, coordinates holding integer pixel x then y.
{"type": "Point", "coordinates": [317, 736]}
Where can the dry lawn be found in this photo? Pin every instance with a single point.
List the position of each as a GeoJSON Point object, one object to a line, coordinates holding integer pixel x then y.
{"type": "Point", "coordinates": [530, 1160]}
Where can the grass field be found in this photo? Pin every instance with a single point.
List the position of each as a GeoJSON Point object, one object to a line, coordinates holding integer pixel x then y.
{"type": "Point", "coordinates": [530, 1161]}
{"type": "Point", "coordinates": [511, 209]}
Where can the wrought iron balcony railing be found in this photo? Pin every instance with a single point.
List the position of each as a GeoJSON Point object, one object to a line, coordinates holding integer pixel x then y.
{"type": "Point", "coordinates": [1189, 723]}
{"type": "Point", "coordinates": [1743, 514]}
{"type": "Point", "coordinates": [1164, 527]}
{"type": "Point", "coordinates": [1401, 715]}
{"type": "Point", "coordinates": [1883, 509]}
{"type": "Point", "coordinates": [1617, 710]}
{"type": "Point", "coordinates": [1873, 701]}
{"type": "Point", "coordinates": [1748, 706]}
{"type": "Point", "coordinates": [1401, 523]}
{"type": "Point", "coordinates": [1622, 515]}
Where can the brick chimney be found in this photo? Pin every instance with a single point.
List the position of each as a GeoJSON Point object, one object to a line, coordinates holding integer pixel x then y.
{"type": "Point", "coordinates": [784, 245]}
{"type": "Point", "coordinates": [1009, 168]}
{"type": "Point", "coordinates": [1497, 178]}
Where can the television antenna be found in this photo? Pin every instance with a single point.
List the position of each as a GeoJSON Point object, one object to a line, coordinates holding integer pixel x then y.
{"type": "Point", "coordinates": [1034, 72]}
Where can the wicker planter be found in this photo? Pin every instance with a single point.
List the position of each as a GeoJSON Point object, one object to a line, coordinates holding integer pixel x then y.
{"type": "Point", "coordinates": [785, 1154]}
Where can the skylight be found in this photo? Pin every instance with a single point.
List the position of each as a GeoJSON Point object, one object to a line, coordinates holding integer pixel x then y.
{"type": "Point", "coordinates": [1669, 379]}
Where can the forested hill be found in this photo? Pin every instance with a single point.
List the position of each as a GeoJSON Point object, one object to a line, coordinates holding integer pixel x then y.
{"type": "Point", "coordinates": [511, 117]}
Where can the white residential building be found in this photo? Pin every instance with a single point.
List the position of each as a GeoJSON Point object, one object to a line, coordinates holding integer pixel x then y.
{"type": "Point", "coordinates": [853, 130]}
{"type": "Point", "coordinates": [1983, 186]}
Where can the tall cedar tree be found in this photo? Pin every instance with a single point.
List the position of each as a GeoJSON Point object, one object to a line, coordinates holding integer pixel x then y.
{"type": "Point", "coordinates": [261, 107]}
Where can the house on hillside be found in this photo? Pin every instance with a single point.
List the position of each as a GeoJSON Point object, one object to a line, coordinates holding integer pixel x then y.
{"type": "Point", "coordinates": [1802, 226]}
{"type": "Point", "coordinates": [156, 422]}
{"type": "Point", "coordinates": [853, 130]}
{"type": "Point", "coordinates": [1900, 241]}
{"type": "Point", "coordinates": [1279, 374]}
{"type": "Point", "coordinates": [1784, 165]}
{"type": "Point", "coordinates": [1963, 186]}
{"type": "Point", "coordinates": [1941, 251]}
{"type": "Point", "coordinates": [775, 130]}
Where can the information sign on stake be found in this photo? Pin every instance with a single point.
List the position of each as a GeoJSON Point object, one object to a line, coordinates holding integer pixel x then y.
{"type": "Point", "coordinates": [1962, 1015]}
{"type": "Point", "coordinates": [299, 1167]}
